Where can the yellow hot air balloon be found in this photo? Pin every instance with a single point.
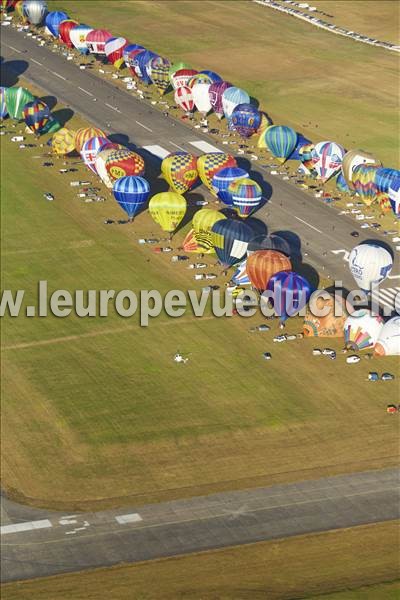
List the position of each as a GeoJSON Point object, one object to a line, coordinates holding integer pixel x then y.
{"type": "Point", "coordinates": [202, 222]}
{"type": "Point", "coordinates": [180, 171]}
{"type": "Point", "coordinates": [352, 159]}
{"type": "Point", "coordinates": [63, 141]}
{"type": "Point", "coordinates": [84, 134]}
{"type": "Point", "coordinates": [167, 209]}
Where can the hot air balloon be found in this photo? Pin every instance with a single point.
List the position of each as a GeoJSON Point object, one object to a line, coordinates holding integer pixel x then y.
{"type": "Point", "coordinates": [96, 40]}
{"type": "Point", "coordinates": [245, 119]}
{"type": "Point", "coordinates": [213, 77]}
{"type": "Point", "coordinates": [394, 196]}
{"type": "Point", "coordinates": [298, 150]}
{"type": "Point", "coordinates": [131, 48]}
{"type": "Point", "coordinates": [384, 202]}
{"type": "Point", "coordinates": [36, 115]}
{"type": "Point", "coordinates": [261, 265]}
{"type": "Point", "coordinates": [78, 36]}
{"type": "Point", "coordinates": [124, 162]}
{"type": "Point", "coordinates": [388, 343]}
{"type": "Point", "coordinates": [180, 171]}
{"type": "Point", "coordinates": [3, 107]}
{"type": "Point", "coordinates": [364, 182]}
{"type": "Point", "coordinates": [167, 209]}
{"type": "Point", "coordinates": [362, 330]}
{"type": "Point", "coordinates": [100, 163]}
{"type": "Point", "coordinates": [176, 67]}
{"type": "Point", "coordinates": [129, 57]}
{"type": "Point", "coordinates": [6, 4]}
{"type": "Point", "coordinates": [246, 196]}
{"type": "Point", "coordinates": [222, 180]}
{"type": "Point", "coordinates": [240, 276]}
{"type": "Point", "coordinates": [131, 193]}
{"type": "Point", "coordinates": [181, 77]}
{"type": "Point", "coordinates": [160, 73]}
{"type": "Point", "coordinates": [84, 134]}
{"type": "Point", "coordinates": [141, 61]}
{"type": "Point", "coordinates": [201, 98]}
{"type": "Point", "coordinates": [63, 142]}
{"type": "Point", "coordinates": [199, 78]}
{"type": "Point", "coordinates": [64, 30]}
{"type": "Point", "coordinates": [352, 159]}
{"type": "Point", "coordinates": [291, 293]}
{"type": "Point", "coordinates": [341, 184]}
{"type": "Point", "coordinates": [53, 20]}
{"type": "Point", "coordinates": [231, 98]}
{"type": "Point", "coordinates": [184, 98]}
{"type": "Point", "coordinates": [306, 153]}
{"type": "Point", "coordinates": [269, 242]}
{"type": "Point", "coordinates": [216, 91]}
{"type": "Point", "coordinates": [16, 98]}
{"type": "Point", "coordinates": [329, 325]}
{"type": "Point", "coordinates": [369, 264]}
{"type": "Point", "coordinates": [230, 239]}
{"type": "Point", "coordinates": [209, 164]}
{"type": "Point", "coordinates": [19, 10]}
{"type": "Point", "coordinates": [90, 150]}
{"type": "Point", "coordinates": [35, 10]}
{"type": "Point", "coordinates": [190, 244]}
{"type": "Point", "coordinates": [329, 157]}
{"type": "Point", "coordinates": [203, 221]}
{"type": "Point", "coordinates": [384, 178]}
{"type": "Point", "coordinates": [114, 48]}
{"type": "Point", "coordinates": [280, 140]}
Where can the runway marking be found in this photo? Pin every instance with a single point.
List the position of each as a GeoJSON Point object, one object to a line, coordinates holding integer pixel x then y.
{"type": "Point", "coordinates": [204, 146]}
{"type": "Point", "coordinates": [346, 254]}
{"type": "Point", "coordinates": [157, 151]}
{"type": "Point", "coordinates": [144, 126]}
{"type": "Point", "coordinates": [27, 526]}
{"type": "Point", "coordinates": [85, 91]}
{"type": "Point", "coordinates": [37, 62]}
{"type": "Point", "coordinates": [112, 107]}
{"type": "Point", "coordinates": [58, 75]}
{"type": "Point", "coordinates": [176, 146]}
{"type": "Point", "coordinates": [129, 518]}
{"type": "Point", "coordinates": [15, 49]}
{"type": "Point", "coordinates": [308, 224]}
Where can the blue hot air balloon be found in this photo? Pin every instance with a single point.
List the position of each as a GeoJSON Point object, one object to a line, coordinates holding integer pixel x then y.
{"type": "Point", "coordinates": [297, 152]}
{"type": "Point", "coordinates": [131, 193]}
{"type": "Point", "coordinates": [245, 119]}
{"type": "Point", "coordinates": [53, 20]}
{"type": "Point", "coordinates": [394, 196]}
{"type": "Point", "coordinates": [230, 239]}
{"type": "Point", "coordinates": [246, 196]}
{"type": "Point", "coordinates": [384, 178]}
{"type": "Point", "coordinates": [223, 178]}
{"type": "Point", "coordinates": [291, 293]}
{"type": "Point", "coordinates": [231, 97]}
{"type": "Point", "coordinates": [141, 61]}
{"type": "Point", "coordinates": [3, 108]}
{"type": "Point", "coordinates": [280, 140]}
{"type": "Point", "coordinates": [213, 76]}
{"type": "Point", "coordinates": [341, 184]}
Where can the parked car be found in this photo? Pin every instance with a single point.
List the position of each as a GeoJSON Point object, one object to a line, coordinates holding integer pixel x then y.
{"type": "Point", "coordinates": [317, 352]}
{"type": "Point", "coordinates": [373, 376]}
{"type": "Point", "coordinates": [263, 328]}
{"type": "Point", "coordinates": [267, 356]}
{"type": "Point", "coordinates": [387, 376]}
{"type": "Point", "coordinates": [353, 359]}
{"type": "Point", "coordinates": [48, 196]}
{"type": "Point", "coordinates": [355, 234]}
{"type": "Point", "coordinates": [280, 338]}
{"type": "Point", "coordinates": [328, 351]}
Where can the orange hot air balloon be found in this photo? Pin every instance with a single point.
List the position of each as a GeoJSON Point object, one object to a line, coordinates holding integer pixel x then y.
{"type": "Point", "coordinates": [330, 325]}
{"type": "Point", "coordinates": [261, 265]}
{"type": "Point", "coordinates": [84, 134]}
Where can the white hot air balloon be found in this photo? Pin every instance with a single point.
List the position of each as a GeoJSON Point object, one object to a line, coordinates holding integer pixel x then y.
{"type": "Point", "coordinates": [201, 97]}
{"type": "Point", "coordinates": [78, 37]}
{"type": "Point", "coordinates": [231, 97]}
{"type": "Point", "coordinates": [362, 329]}
{"type": "Point", "coordinates": [369, 264]}
{"type": "Point", "coordinates": [388, 343]}
{"type": "Point", "coordinates": [34, 10]}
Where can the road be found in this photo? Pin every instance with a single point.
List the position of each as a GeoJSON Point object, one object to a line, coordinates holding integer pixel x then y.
{"type": "Point", "coordinates": [320, 234]}
{"type": "Point", "coordinates": [36, 543]}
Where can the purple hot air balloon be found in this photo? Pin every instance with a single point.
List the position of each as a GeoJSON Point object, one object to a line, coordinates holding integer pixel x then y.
{"type": "Point", "coordinates": [215, 92]}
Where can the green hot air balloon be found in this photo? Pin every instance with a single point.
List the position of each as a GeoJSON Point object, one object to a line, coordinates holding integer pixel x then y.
{"type": "Point", "coordinates": [16, 98]}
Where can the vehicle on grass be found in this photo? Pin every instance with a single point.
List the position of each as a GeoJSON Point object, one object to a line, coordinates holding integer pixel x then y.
{"type": "Point", "coordinates": [267, 356]}
{"type": "Point", "coordinates": [48, 196]}
{"type": "Point", "coordinates": [263, 328]}
{"type": "Point", "coordinates": [317, 352]}
{"type": "Point", "coordinates": [387, 377]}
{"type": "Point", "coordinates": [353, 359]}
{"type": "Point", "coordinates": [373, 376]}
{"type": "Point", "coordinates": [328, 351]}
{"type": "Point", "coordinates": [280, 338]}
{"type": "Point", "coordinates": [355, 234]}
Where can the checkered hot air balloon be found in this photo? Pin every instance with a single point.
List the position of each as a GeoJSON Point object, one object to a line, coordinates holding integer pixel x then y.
{"type": "Point", "coordinates": [246, 196]}
{"type": "Point", "coordinates": [64, 30]}
{"type": "Point", "coordinates": [261, 265]}
{"type": "Point", "coordinates": [180, 171]}
{"type": "Point", "coordinates": [121, 163]}
{"type": "Point", "coordinates": [222, 180]}
{"type": "Point", "coordinates": [114, 50]}
{"type": "Point", "coordinates": [84, 134]}
{"type": "Point", "coordinates": [100, 162]}
{"type": "Point", "coordinates": [159, 73]}
{"type": "Point", "coordinates": [131, 193]}
{"type": "Point", "coordinates": [364, 182]}
{"type": "Point", "coordinates": [63, 141]}
{"type": "Point", "coordinates": [394, 196]}
{"type": "Point", "coordinates": [210, 163]}
{"type": "Point", "coordinates": [184, 98]}
{"type": "Point", "coordinates": [90, 150]}
{"type": "Point", "coordinates": [36, 115]}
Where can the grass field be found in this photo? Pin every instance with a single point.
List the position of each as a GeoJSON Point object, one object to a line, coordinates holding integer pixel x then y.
{"type": "Point", "coordinates": [99, 406]}
{"type": "Point", "coordinates": [301, 567]}
{"type": "Point", "coordinates": [324, 85]}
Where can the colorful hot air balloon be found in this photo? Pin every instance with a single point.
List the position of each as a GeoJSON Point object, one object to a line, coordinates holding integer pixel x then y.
{"type": "Point", "coordinates": [384, 178]}
{"type": "Point", "coordinates": [269, 242]}
{"type": "Point", "coordinates": [141, 62]}
{"type": "Point", "coordinates": [78, 36]}
{"type": "Point", "coordinates": [176, 67]}
{"type": "Point", "coordinates": [203, 221]}
{"type": "Point", "coordinates": [64, 30]}
{"type": "Point", "coordinates": [16, 98]}
{"type": "Point", "coordinates": [90, 150]}
{"type": "Point", "coordinates": [384, 202]}
{"type": "Point", "coordinates": [167, 209]}
{"type": "Point", "coordinates": [19, 10]}
{"type": "Point", "coordinates": [100, 163]}
{"type": "Point", "coordinates": [231, 98]}
{"type": "Point", "coordinates": [160, 73]}
{"type": "Point", "coordinates": [114, 49]}
{"type": "Point", "coordinates": [131, 48]}
{"type": "Point", "coordinates": [209, 164]}
{"type": "Point", "coordinates": [364, 182]}
{"type": "Point", "coordinates": [329, 156]}
{"type": "Point", "coordinates": [63, 142]}
{"type": "Point", "coordinates": [352, 159]}
{"type": "Point", "coordinates": [199, 78]}
{"type": "Point", "coordinates": [181, 77]}
{"type": "Point", "coordinates": [53, 20]}
{"type": "Point", "coordinates": [84, 134]}
{"type": "Point", "coordinates": [341, 184]}
{"type": "Point", "coordinates": [184, 98]}
{"type": "Point", "coordinates": [246, 196]}
{"type": "Point", "coordinates": [6, 4]}
{"type": "Point", "coordinates": [245, 119]}
{"type": "Point", "coordinates": [3, 107]}
{"type": "Point", "coordinates": [124, 162]}
{"type": "Point", "coordinates": [201, 98]}
{"type": "Point", "coordinates": [190, 244]}
{"type": "Point", "coordinates": [36, 115]}
{"type": "Point", "coordinates": [131, 193]}
{"type": "Point", "coordinates": [388, 343]}
{"type": "Point", "coordinates": [240, 276]}
{"type": "Point", "coordinates": [180, 171]}
{"type": "Point", "coordinates": [34, 11]}
{"type": "Point", "coordinates": [216, 91]}
{"type": "Point", "coordinates": [362, 330]}
{"type": "Point", "coordinates": [331, 324]}
{"type": "Point", "coordinates": [222, 180]}
{"type": "Point", "coordinates": [291, 293]}
{"type": "Point", "coordinates": [280, 140]}
{"type": "Point", "coordinates": [261, 265]}
{"type": "Point", "coordinates": [230, 239]}
{"type": "Point", "coordinates": [96, 40]}
{"type": "Point", "coordinates": [394, 196]}
{"type": "Point", "coordinates": [297, 153]}
{"type": "Point", "coordinates": [369, 264]}
{"type": "Point", "coordinates": [306, 153]}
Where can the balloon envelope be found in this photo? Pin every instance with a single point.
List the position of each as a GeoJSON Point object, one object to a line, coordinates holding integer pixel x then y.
{"type": "Point", "coordinates": [180, 171]}
{"type": "Point", "coordinates": [90, 150]}
{"type": "Point", "coordinates": [3, 107]}
{"type": "Point", "coordinates": [83, 134]}
{"type": "Point", "coordinates": [245, 119]}
{"type": "Point", "coordinates": [215, 92]}
{"type": "Point", "coordinates": [35, 10]}
{"type": "Point", "coordinates": [230, 239]}
{"type": "Point", "coordinates": [63, 142]}
{"type": "Point", "coordinates": [184, 98]}
{"type": "Point", "coordinates": [16, 98]}
{"type": "Point", "coordinates": [160, 73]}
{"type": "Point", "coordinates": [167, 209]}
{"type": "Point", "coordinates": [131, 193]}
{"type": "Point", "coordinates": [53, 20]}
{"type": "Point", "coordinates": [231, 97]}
{"type": "Point", "coordinates": [201, 98]}
{"type": "Point", "coordinates": [262, 264]}
{"type": "Point", "coordinates": [114, 48]}
{"type": "Point", "coordinates": [269, 242]}
{"type": "Point", "coordinates": [328, 159]}
{"type": "Point", "coordinates": [203, 221]}
{"type": "Point", "coordinates": [352, 159]}
{"type": "Point", "coordinates": [331, 322]}
{"type": "Point", "coordinates": [124, 162]}
{"type": "Point", "coordinates": [385, 177]}
{"type": "Point", "coordinates": [246, 196]}
{"type": "Point", "coordinates": [280, 140]}
{"type": "Point", "coordinates": [369, 264]}
{"type": "Point", "coordinates": [364, 182]}
{"type": "Point", "coordinates": [182, 77]}
{"type": "Point", "coordinates": [362, 329]}
{"type": "Point", "coordinates": [394, 196]}
{"type": "Point", "coordinates": [96, 40]}
{"type": "Point", "coordinates": [222, 180]}
{"type": "Point", "coordinates": [210, 163]}
{"type": "Point", "coordinates": [36, 115]}
{"type": "Point", "coordinates": [78, 37]}
{"type": "Point", "coordinates": [388, 343]}
{"type": "Point", "coordinates": [291, 293]}
{"type": "Point", "coordinates": [64, 30]}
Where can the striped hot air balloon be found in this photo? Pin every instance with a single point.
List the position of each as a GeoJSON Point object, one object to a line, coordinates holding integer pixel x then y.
{"type": "Point", "coordinates": [190, 244]}
{"type": "Point", "coordinates": [63, 142]}
{"type": "Point", "coordinates": [230, 239]}
{"type": "Point", "coordinates": [329, 157]}
{"type": "Point", "coordinates": [34, 11]}
{"type": "Point", "coordinates": [124, 162]}
{"type": "Point", "coordinates": [160, 73]}
{"type": "Point", "coordinates": [96, 40]}
{"type": "Point", "coordinates": [203, 221]}
{"type": "Point", "coordinates": [64, 30]}
{"type": "Point", "coordinates": [352, 159]}
{"type": "Point", "coordinates": [280, 141]}
{"type": "Point", "coordinates": [131, 193]}
{"type": "Point", "coordinates": [84, 134]}
{"type": "Point", "coordinates": [362, 329]}
{"type": "Point", "coordinates": [36, 115]}
{"type": "Point", "coordinates": [210, 163]}
{"type": "Point", "coordinates": [384, 178]}
{"type": "Point", "coordinates": [291, 293]}
{"type": "Point", "coordinates": [184, 98]}
{"type": "Point", "coordinates": [180, 171]}
{"type": "Point", "coordinates": [364, 182]}
{"type": "Point", "coordinates": [182, 77]}
{"type": "Point", "coordinates": [222, 180]}
{"type": "Point", "coordinates": [261, 265]}
{"type": "Point", "coordinates": [114, 49]}
{"type": "Point", "coordinates": [231, 98]}
{"type": "Point", "coordinates": [90, 150]}
{"type": "Point", "coordinates": [240, 276]}
{"type": "Point", "coordinates": [216, 92]}
{"type": "Point", "coordinates": [246, 196]}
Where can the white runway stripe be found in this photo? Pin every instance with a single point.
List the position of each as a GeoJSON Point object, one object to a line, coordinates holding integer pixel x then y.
{"type": "Point", "coordinates": [387, 297]}
{"type": "Point", "coordinates": [204, 146]}
{"type": "Point", "coordinates": [27, 526]}
{"type": "Point", "coordinates": [130, 518]}
{"type": "Point", "coordinates": [157, 151]}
